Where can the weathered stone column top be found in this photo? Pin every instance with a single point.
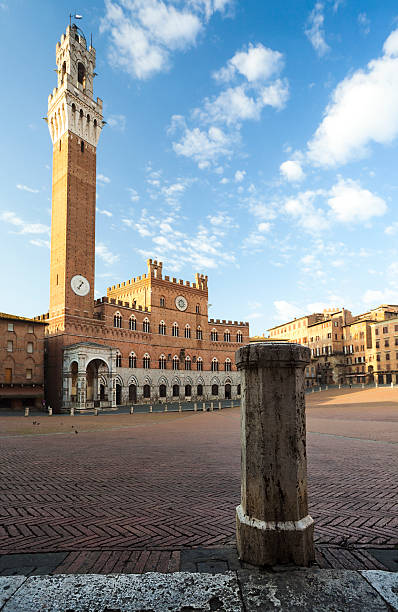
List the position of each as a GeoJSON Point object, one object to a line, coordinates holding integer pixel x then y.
{"type": "Point", "coordinates": [272, 354]}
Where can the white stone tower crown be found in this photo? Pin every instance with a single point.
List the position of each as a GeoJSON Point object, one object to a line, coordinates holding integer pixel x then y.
{"type": "Point", "coordinates": [71, 106]}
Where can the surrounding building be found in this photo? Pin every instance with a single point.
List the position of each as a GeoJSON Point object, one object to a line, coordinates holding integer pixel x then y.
{"type": "Point", "coordinates": [347, 349]}
{"type": "Point", "coordinates": [150, 338]}
{"type": "Point", "coordinates": [21, 362]}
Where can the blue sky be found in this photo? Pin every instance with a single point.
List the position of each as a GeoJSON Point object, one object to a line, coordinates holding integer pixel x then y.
{"type": "Point", "coordinates": [252, 141]}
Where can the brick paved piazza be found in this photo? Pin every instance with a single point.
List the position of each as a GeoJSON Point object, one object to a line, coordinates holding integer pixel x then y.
{"type": "Point", "coordinates": [167, 482]}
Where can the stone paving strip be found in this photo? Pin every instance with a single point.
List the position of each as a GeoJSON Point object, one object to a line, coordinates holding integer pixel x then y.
{"type": "Point", "coordinates": [294, 590]}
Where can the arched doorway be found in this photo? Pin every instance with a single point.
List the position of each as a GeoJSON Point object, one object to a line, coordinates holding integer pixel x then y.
{"type": "Point", "coordinates": [200, 390]}
{"type": "Point", "coordinates": [147, 391]}
{"type": "Point", "coordinates": [118, 394]}
{"type": "Point", "coordinates": [214, 389]}
{"type": "Point", "coordinates": [162, 390]}
{"type": "Point", "coordinates": [176, 391]}
{"type": "Point", "coordinates": [97, 375]}
{"type": "Point", "coordinates": [133, 393]}
{"type": "Point", "coordinates": [188, 390]}
{"type": "Point", "coordinates": [238, 391]}
{"type": "Point", "coordinates": [228, 393]}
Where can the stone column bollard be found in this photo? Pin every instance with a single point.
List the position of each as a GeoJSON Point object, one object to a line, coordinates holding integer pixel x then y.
{"type": "Point", "coordinates": [95, 411]}
{"type": "Point", "coordinates": [27, 411]}
{"type": "Point", "coordinates": [313, 389]}
{"type": "Point", "coordinates": [165, 407]}
{"type": "Point", "coordinates": [392, 385]}
{"type": "Point", "coordinates": [211, 406]}
{"type": "Point", "coordinates": [50, 411]}
{"type": "Point", "coordinates": [273, 524]}
{"type": "Point", "coordinates": [219, 405]}
{"type": "Point", "coordinates": [326, 388]}
{"type": "Point", "coordinates": [339, 386]}
{"type": "Point", "coordinates": [72, 411]}
{"type": "Point", "coordinates": [131, 409]}
{"type": "Point", "coordinates": [376, 385]}
{"type": "Point", "coordinates": [320, 389]}
{"type": "Point", "coordinates": [204, 407]}
{"type": "Point", "coordinates": [179, 408]}
{"type": "Point", "coordinates": [150, 408]}
{"type": "Point", "coordinates": [363, 385]}
{"type": "Point", "coordinates": [195, 407]}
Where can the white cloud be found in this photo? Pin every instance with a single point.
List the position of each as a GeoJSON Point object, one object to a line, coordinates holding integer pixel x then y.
{"type": "Point", "coordinates": [302, 208]}
{"type": "Point", "coordinates": [374, 297]}
{"type": "Point", "coordinates": [101, 178]}
{"type": "Point", "coordinates": [363, 109]}
{"type": "Point", "coordinates": [224, 181]}
{"type": "Point", "coordinates": [144, 32]}
{"type": "Point", "coordinates": [350, 203]}
{"type": "Point", "coordinates": [102, 251]}
{"type": "Point", "coordinates": [26, 188]}
{"type": "Point", "coordinates": [23, 226]}
{"type": "Point", "coordinates": [233, 105]}
{"type": "Point", "coordinates": [204, 146]}
{"type": "Point", "coordinates": [239, 175]}
{"type": "Point", "coordinates": [292, 171]}
{"type": "Point", "coordinates": [40, 242]}
{"type": "Point", "coordinates": [208, 7]}
{"type": "Point", "coordinates": [237, 104]}
{"type": "Point", "coordinates": [392, 229]}
{"type": "Point", "coordinates": [107, 213]}
{"type": "Point", "coordinates": [285, 311]}
{"type": "Point", "coordinates": [117, 122]}
{"type": "Point", "coordinates": [134, 197]}
{"type": "Point", "coordinates": [364, 23]}
{"type": "Point", "coordinates": [258, 63]}
{"type": "Point", "coordinates": [315, 31]}
{"type": "Point", "coordinates": [264, 227]}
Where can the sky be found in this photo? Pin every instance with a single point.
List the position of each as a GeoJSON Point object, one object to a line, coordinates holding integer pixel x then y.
{"type": "Point", "coordinates": [253, 141]}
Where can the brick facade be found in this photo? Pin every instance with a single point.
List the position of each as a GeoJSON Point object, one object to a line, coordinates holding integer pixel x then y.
{"type": "Point", "coordinates": [21, 362]}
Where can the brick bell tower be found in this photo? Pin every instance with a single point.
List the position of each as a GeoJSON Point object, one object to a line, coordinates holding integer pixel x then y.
{"type": "Point", "coordinates": [75, 121]}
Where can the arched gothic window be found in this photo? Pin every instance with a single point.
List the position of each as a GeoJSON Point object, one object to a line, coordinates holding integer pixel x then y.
{"type": "Point", "coordinates": [118, 360]}
{"type": "Point", "coordinates": [199, 334]}
{"type": "Point", "coordinates": [175, 330]}
{"type": "Point", "coordinates": [227, 336]}
{"type": "Point", "coordinates": [228, 364]}
{"type": "Point", "coordinates": [132, 360]}
{"type": "Point", "coordinates": [162, 328]}
{"type": "Point", "coordinates": [214, 389]}
{"type": "Point", "coordinates": [117, 320]}
{"type": "Point", "coordinates": [187, 331]}
{"type": "Point", "coordinates": [214, 364]}
{"type": "Point", "coordinates": [145, 325]}
{"type": "Point", "coordinates": [81, 74]}
{"type": "Point", "coordinates": [199, 364]}
{"type": "Point", "coordinates": [162, 362]}
{"type": "Point", "coordinates": [133, 323]}
{"type": "Point", "coordinates": [214, 335]}
{"type": "Point", "coordinates": [146, 362]}
{"type": "Point", "coordinates": [176, 363]}
{"type": "Point", "coordinates": [239, 337]}
{"type": "Point", "coordinates": [187, 363]}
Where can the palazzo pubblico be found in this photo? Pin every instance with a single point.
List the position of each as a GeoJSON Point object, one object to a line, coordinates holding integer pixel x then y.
{"type": "Point", "coordinates": [149, 339]}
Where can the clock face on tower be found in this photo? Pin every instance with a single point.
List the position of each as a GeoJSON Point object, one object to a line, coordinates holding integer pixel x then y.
{"type": "Point", "coordinates": [181, 303]}
{"type": "Point", "coordinates": [80, 285]}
